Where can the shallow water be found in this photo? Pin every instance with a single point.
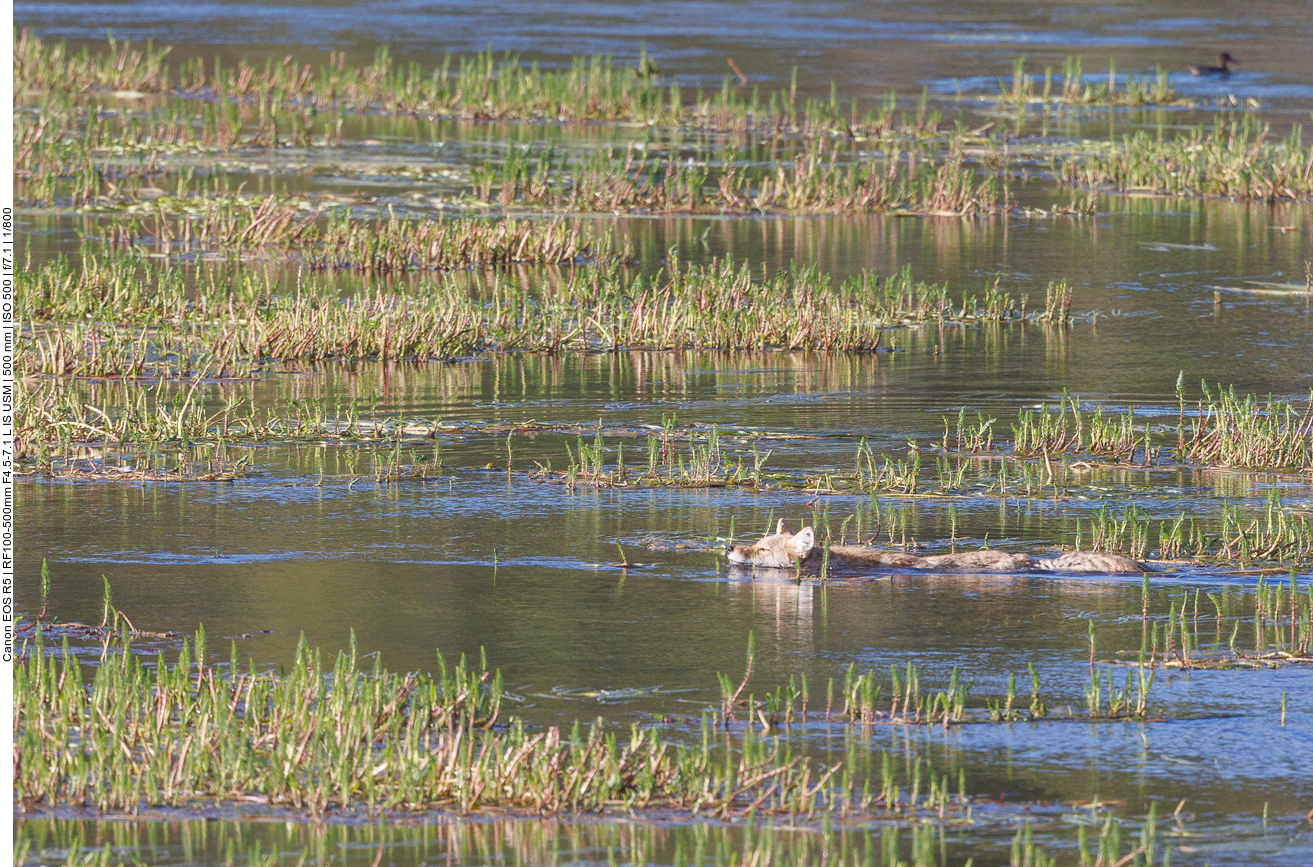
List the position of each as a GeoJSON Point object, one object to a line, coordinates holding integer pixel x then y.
{"type": "Point", "coordinates": [867, 48]}
{"type": "Point", "coordinates": [484, 558]}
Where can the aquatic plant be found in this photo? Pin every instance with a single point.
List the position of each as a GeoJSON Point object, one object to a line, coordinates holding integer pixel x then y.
{"type": "Point", "coordinates": [478, 87]}
{"type": "Point", "coordinates": [317, 740]}
{"type": "Point", "coordinates": [1224, 429]}
{"type": "Point", "coordinates": [1045, 431]}
{"type": "Point", "coordinates": [1233, 159]}
{"type": "Point", "coordinates": [821, 177]}
{"type": "Point", "coordinates": [866, 702]}
{"type": "Point", "coordinates": [336, 241]}
{"type": "Point", "coordinates": [1277, 624]}
{"type": "Point", "coordinates": [129, 316]}
{"type": "Point", "coordinates": [1077, 88]}
{"type": "Point", "coordinates": [1230, 430]}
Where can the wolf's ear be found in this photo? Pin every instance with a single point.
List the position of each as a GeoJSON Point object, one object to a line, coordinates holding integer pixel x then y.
{"type": "Point", "coordinates": [801, 545]}
{"type": "Point", "coordinates": [780, 529]}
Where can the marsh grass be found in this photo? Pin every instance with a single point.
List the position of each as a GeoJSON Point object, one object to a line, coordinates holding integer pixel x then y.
{"type": "Point", "coordinates": [1233, 159]}
{"type": "Point", "coordinates": [703, 463]}
{"type": "Point", "coordinates": [1275, 533]}
{"type": "Point", "coordinates": [119, 414]}
{"type": "Point", "coordinates": [1223, 429]}
{"type": "Point", "coordinates": [822, 177]}
{"type": "Point", "coordinates": [319, 740]}
{"type": "Point", "coordinates": [1070, 430]}
{"type": "Point", "coordinates": [97, 161]}
{"type": "Point", "coordinates": [1076, 88]}
{"type": "Point", "coordinates": [1230, 430]}
{"type": "Point", "coordinates": [1267, 626]}
{"type": "Point", "coordinates": [866, 699]}
{"type": "Point", "coordinates": [124, 315]}
{"type": "Point", "coordinates": [310, 740]}
{"type": "Point", "coordinates": [84, 138]}
{"type": "Point", "coordinates": [203, 463]}
{"type": "Point", "coordinates": [133, 423]}
{"type": "Point", "coordinates": [477, 87]}
{"type": "Point", "coordinates": [335, 241]}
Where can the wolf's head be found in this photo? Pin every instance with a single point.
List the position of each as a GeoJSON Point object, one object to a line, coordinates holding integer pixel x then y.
{"type": "Point", "coordinates": [780, 550]}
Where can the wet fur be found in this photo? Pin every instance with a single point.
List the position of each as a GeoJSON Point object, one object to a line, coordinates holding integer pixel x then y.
{"type": "Point", "coordinates": [785, 550]}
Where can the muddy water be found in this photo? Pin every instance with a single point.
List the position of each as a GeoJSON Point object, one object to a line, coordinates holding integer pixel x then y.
{"type": "Point", "coordinates": [480, 557]}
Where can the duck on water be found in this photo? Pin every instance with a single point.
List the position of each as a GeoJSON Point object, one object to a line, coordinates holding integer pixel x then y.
{"type": "Point", "coordinates": [1222, 67]}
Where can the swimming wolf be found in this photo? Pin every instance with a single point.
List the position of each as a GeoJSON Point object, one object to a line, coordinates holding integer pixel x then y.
{"type": "Point", "coordinates": [785, 550]}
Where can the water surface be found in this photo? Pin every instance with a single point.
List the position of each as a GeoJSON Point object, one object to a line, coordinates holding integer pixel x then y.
{"type": "Point", "coordinates": [483, 558]}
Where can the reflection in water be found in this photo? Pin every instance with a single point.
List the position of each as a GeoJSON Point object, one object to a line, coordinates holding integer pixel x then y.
{"type": "Point", "coordinates": [991, 838]}
{"type": "Point", "coordinates": [501, 841]}
{"type": "Point", "coordinates": [784, 608]}
{"type": "Point", "coordinates": [449, 840]}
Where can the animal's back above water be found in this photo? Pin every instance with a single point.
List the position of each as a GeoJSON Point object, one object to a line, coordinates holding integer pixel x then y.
{"type": "Point", "coordinates": [782, 550]}
{"type": "Point", "coordinates": [988, 561]}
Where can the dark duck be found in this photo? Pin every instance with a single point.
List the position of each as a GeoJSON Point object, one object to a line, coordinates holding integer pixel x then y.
{"type": "Point", "coordinates": [1222, 68]}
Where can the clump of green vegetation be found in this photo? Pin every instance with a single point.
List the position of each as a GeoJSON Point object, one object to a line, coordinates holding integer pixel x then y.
{"type": "Point", "coordinates": [105, 427]}
{"type": "Point", "coordinates": [1277, 621]}
{"type": "Point", "coordinates": [1232, 160]}
{"type": "Point", "coordinates": [134, 318]}
{"type": "Point", "coordinates": [480, 87]}
{"type": "Point", "coordinates": [817, 179]}
{"type": "Point", "coordinates": [1277, 534]}
{"type": "Point", "coordinates": [1233, 431]}
{"type": "Point", "coordinates": [1069, 430]}
{"type": "Point", "coordinates": [865, 703]}
{"type": "Point", "coordinates": [319, 740]}
{"type": "Point", "coordinates": [1223, 430]}
{"type": "Point", "coordinates": [240, 230]}
{"type": "Point", "coordinates": [143, 425]}
{"type": "Point", "coordinates": [1078, 89]}
{"type": "Point", "coordinates": [705, 465]}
